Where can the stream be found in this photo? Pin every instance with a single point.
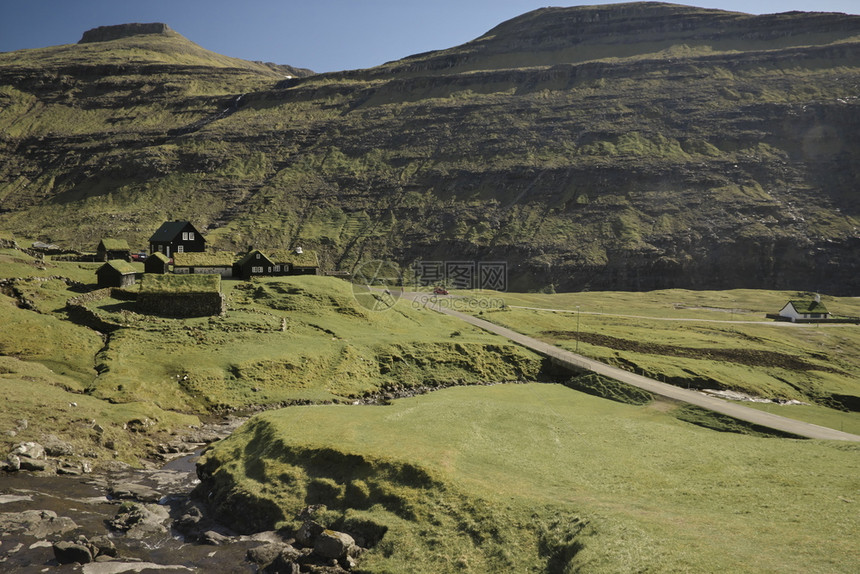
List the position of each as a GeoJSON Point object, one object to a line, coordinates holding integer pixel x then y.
{"type": "Point", "coordinates": [91, 501]}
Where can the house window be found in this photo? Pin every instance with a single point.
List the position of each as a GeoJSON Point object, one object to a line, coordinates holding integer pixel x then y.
{"type": "Point", "coordinates": [277, 268]}
{"type": "Point", "coordinates": [180, 249]}
{"type": "Point", "coordinates": [187, 236]}
{"type": "Point", "coordinates": [256, 269]}
{"type": "Point", "coordinates": [258, 255]}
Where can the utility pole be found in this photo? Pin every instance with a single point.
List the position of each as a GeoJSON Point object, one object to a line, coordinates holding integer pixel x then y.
{"type": "Point", "coordinates": [577, 329]}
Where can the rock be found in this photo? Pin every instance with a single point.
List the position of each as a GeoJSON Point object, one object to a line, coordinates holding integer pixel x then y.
{"type": "Point", "coordinates": [286, 562]}
{"type": "Point", "coordinates": [29, 449]}
{"type": "Point", "coordinates": [140, 520]}
{"type": "Point", "coordinates": [70, 552]}
{"type": "Point", "coordinates": [282, 565]}
{"type": "Point", "coordinates": [190, 518]}
{"type": "Point", "coordinates": [35, 523]}
{"type": "Point", "coordinates": [13, 462]}
{"type": "Point", "coordinates": [264, 554]}
{"type": "Point", "coordinates": [69, 470]}
{"type": "Point", "coordinates": [134, 491]}
{"type": "Point", "coordinates": [307, 534]}
{"type": "Point", "coordinates": [139, 425]}
{"type": "Point", "coordinates": [348, 562]}
{"type": "Point", "coordinates": [32, 464]}
{"type": "Point", "coordinates": [276, 554]}
{"type": "Point", "coordinates": [104, 546]}
{"type": "Point", "coordinates": [56, 447]}
{"type": "Point", "coordinates": [214, 538]}
{"type": "Point", "coordinates": [333, 544]}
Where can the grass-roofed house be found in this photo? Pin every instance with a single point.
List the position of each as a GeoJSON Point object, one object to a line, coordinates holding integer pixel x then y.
{"type": "Point", "coordinates": [116, 273]}
{"type": "Point", "coordinates": [805, 310]}
{"type": "Point", "coordinates": [300, 261]}
{"type": "Point", "coordinates": [157, 263]}
{"type": "Point", "coordinates": [181, 295]}
{"type": "Point", "coordinates": [176, 237]}
{"type": "Point", "coordinates": [204, 263]}
{"type": "Point", "coordinates": [113, 249]}
{"type": "Point", "coordinates": [255, 263]}
{"type": "Point", "coordinates": [275, 263]}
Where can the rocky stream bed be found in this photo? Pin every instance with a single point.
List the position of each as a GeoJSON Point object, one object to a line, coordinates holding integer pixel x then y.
{"type": "Point", "coordinates": [60, 517]}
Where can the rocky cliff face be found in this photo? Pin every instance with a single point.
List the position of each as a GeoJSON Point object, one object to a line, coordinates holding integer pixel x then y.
{"type": "Point", "coordinates": [635, 146]}
{"type": "Point", "coordinates": [108, 33]}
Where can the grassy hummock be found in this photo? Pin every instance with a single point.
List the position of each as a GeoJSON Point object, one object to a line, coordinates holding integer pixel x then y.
{"type": "Point", "coordinates": [542, 478]}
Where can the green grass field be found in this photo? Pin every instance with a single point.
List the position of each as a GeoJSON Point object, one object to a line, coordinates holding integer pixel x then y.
{"type": "Point", "coordinates": [704, 339]}
{"type": "Point", "coordinates": [286, 340]}
{"type": "Point", "coordinates": [541, 478]}
{"type": "Point", "coordinates": [533, 477]}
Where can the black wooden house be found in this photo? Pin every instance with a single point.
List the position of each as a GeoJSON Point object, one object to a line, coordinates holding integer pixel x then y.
{"type": "Point", "coordinates": [176, 237]}
{"type": "Point", "coordinates": [255, 264]}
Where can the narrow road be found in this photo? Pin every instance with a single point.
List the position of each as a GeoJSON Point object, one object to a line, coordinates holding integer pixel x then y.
{"type": "Point", "coordinates": [579, 362]}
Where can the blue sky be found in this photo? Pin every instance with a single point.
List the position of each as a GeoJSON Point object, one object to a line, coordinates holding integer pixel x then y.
{"type": "Point", "coordinates": [324, 35]}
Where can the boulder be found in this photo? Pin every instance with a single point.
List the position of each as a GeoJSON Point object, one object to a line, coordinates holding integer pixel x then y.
{"type": "Point", "coordinates": [104, 546]}
{"type": "Point", "coordinates": [214, 538]}
{"type": "Point", "coordinates": [134, 491]}
{"type": "Point", "coordinates": [71, 552]}
{"type": "Point", "coordinates": [56, 447]}
{"type": "Point", "coordinates": [29, 449]}
{"type": "Point", "coordinates": [191, 515]}
{"type": "Point", "coordinates": [13, 463]}
{"type": "Point", "coordinates": [35, 523]}
{"type": "Point", "coordinates": [140, 521]}
{"type": "Point", "coordinates": [282, 565]}
{"type": "Point", "coordinates": [333, 544]}
{"type": "Point", "coordinates": [307, 534]}
{"type": "Point", "coordinates": [265, 553]}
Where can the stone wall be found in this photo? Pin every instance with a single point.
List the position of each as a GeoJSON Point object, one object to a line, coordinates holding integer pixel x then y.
{"type": "Point", "coordinates": [78, 312]}
{"type": "Point", "coordinates": [182, 304]}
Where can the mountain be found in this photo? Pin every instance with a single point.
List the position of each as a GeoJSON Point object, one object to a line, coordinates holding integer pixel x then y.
{"type": "Point", "coordinates": [627, 146]}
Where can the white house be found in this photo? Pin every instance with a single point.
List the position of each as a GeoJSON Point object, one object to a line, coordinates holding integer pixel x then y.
{"type": "Point", "coordinates": [814, 309]}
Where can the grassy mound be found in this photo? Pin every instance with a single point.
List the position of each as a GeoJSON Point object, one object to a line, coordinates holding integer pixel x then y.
{"type": "Point", "coordinates": [541, 478]}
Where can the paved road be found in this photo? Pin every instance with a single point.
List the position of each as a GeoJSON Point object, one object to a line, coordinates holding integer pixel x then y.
{"type": "Point", "coordinates": [573, 360]}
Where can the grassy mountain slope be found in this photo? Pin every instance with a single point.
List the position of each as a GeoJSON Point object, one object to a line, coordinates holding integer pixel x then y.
{"type": "Point", "coordinates": [632, 146]}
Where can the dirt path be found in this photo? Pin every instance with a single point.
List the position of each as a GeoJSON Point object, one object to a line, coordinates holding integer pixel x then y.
{"type": "Point", "coordinates": [579, 362]}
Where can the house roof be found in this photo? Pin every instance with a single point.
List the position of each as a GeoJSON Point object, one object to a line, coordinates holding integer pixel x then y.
{"type": "Point", "coordinates": [123, 267]}
{"type": "Point", "coordinates": [809, 306]}
{"type": "Point", "coordinates": [251, 256]}
{"type": "Point", "coordinates": [114, 244]}
{"type": "Point", "coordinates": [191, 259]}
{"type": "Point", "coordinates": [174, 284]}
{"type": "Point", "coordinates": [170, 229]}
{"type": "Point", "coordinates": [303, 259]}
{"type": "Point", "coordinates": [160, 256]}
